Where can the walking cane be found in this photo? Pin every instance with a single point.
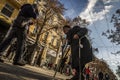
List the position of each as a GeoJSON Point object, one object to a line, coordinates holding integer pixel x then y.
{"type": "Point", "coordinates": [80, 46]}
{"type": "Point", "coordinates": [58, 67]}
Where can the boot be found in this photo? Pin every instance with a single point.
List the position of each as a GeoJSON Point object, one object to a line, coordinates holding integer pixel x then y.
{"type": "Point", "coordinates": [20, 63]}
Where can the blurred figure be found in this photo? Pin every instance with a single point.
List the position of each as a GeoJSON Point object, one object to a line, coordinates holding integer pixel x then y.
{"type": "Point", "coordinates": [62, 65]}
{"type": "Point", "coordinates": [100, 75]}
{"type": "Point", "coordinates": [107, 77]}
{"type": "Point", "coordinates": [87, 73]}
{"type": "Point", "coordinates": [27, 11]}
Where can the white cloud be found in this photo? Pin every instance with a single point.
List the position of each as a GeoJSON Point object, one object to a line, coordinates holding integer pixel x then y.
{"type": "Point", "coordinates": [90, 6]}
{"type": "Point", "coordinates": [91, 15]}
{"type": "Point", "coordinates": [70, 12]}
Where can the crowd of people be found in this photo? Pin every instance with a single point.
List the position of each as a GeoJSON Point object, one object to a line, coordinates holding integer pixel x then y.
{"type": "Point", "coordinates": [90, 75]}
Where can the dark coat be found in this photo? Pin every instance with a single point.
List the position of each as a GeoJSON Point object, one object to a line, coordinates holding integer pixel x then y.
{"type": "Point", "coordinates": [26, 12]}
{"type": "Point", "coordinates": [100, 75]}
{"type": "Point", "coordinates": [85, 52]}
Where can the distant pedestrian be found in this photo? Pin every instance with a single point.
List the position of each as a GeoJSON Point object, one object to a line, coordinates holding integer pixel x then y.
{"type": "Point", "coordinates": [100, 75]}
{"type": "Point", "coordinates": [107, 77]}
{"type": "Point", "coordinates": [62, 64]}
{"type": "Point", "coordinates": [87, 73]}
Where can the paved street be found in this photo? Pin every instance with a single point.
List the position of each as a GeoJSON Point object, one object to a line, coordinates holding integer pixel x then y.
{"type": "Point", "coordinates": [11, 72]}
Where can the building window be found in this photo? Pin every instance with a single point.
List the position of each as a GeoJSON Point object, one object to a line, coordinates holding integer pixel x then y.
{"type": "Point", "coordinates": [7, 10]}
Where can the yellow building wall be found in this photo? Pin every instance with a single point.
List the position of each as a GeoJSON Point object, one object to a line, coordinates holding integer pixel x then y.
{"type": "Point", "coordinates": [15, 12]}
{"type": "Point", "coordinates": [2, 2]}
{"type": "Point", "coordinates": [30, 1]}
{"type": "Point", "coordinates": [16, 5]}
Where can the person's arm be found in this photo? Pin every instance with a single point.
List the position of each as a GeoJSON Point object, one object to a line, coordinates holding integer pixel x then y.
{"type": "Point", "coordinates": [82, 32]}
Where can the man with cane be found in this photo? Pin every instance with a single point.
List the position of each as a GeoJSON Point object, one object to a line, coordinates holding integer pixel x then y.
{"type": "Point", "coordinates": [80, 56]}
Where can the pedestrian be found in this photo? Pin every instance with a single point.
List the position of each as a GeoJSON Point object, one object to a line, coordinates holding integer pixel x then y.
{"type": "Point", "coordinates": [27, 11]}
{"type": "Point", "coordinates": [68, 69]}
{"type": "Point", "coordinates": [62, 65]}
{"type": "Point", "coordinates": [100, 75]}
{"type": "Point", "coordinates": [87, 73]}
{"type": "Point", "coordinates": [73, 36]}
{"type": "Point", "coordinates": [107, 77]}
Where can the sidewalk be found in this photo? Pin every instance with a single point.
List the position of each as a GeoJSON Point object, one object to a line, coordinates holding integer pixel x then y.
{"type": "Point", "coordinates": [46, 72]}
{"type": "Point", "coordinates": [42, 71]}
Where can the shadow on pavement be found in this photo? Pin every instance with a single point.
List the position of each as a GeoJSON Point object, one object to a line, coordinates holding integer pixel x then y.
{"type": "Point", "coordinates": [11, 72]}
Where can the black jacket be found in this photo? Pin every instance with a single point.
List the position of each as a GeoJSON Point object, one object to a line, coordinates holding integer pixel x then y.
{"type": "Point", "coordinates": [85, 52]}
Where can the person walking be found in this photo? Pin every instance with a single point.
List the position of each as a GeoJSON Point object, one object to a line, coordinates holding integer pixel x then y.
{"type": "Point", "coordinates": [27, 11]}
{"type": "Point", "coordinates": [87, 73]}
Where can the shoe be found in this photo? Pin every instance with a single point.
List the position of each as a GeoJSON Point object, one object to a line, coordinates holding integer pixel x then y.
{"type": "Point", "coordinates": [1, 60]}
{"type": "Point", "coordinates": [20, 63]}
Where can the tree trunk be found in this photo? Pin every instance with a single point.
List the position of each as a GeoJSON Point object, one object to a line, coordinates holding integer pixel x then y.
{"type": "Point", "coordinates": [37, 40]}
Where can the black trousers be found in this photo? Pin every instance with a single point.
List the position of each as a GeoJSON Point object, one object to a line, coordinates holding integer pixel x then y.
{"type": "Point", "coordinates": [20, 34]}
{"type": "Point", "coordinates": [85, 57]}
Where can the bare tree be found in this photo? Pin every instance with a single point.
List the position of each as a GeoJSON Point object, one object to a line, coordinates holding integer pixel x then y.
{"type": "Point", "coordinates": [51, 18]}
{"type": "Point", "coordinates": [118, 71]}
{"type": "Point", "coordinates": [114, 35]}
{"type": "Point", "coordinates": [53, 8]}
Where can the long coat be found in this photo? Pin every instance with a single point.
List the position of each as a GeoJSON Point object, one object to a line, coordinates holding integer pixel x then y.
{"type": "Point", "coordinates": [85, 52]}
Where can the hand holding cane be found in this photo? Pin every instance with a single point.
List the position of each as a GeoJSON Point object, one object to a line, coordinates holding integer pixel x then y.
{"type": "Point", "coordinates": [80, 46]}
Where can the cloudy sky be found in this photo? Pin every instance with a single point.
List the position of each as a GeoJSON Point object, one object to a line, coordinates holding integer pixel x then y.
{"type": "Point", "coordinates": [98, 13]}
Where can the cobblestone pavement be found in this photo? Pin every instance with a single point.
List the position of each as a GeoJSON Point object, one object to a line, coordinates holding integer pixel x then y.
{"type": "Point", "coordinates": [12, 72]}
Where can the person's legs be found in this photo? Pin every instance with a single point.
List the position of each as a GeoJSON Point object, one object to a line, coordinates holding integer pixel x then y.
{"type": "Point", "coordinates": [75, 62]}
{"type": "Point", "coordinates": [87, 76]}
{"type": "Point", "coordinates": [6, 42]}
{"type": "Point", "coordinates": [100, 78]}
{"type": "Point", "coordinates": [81, 68]}
{"type": "Point", "coordinates": [21, 36]}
